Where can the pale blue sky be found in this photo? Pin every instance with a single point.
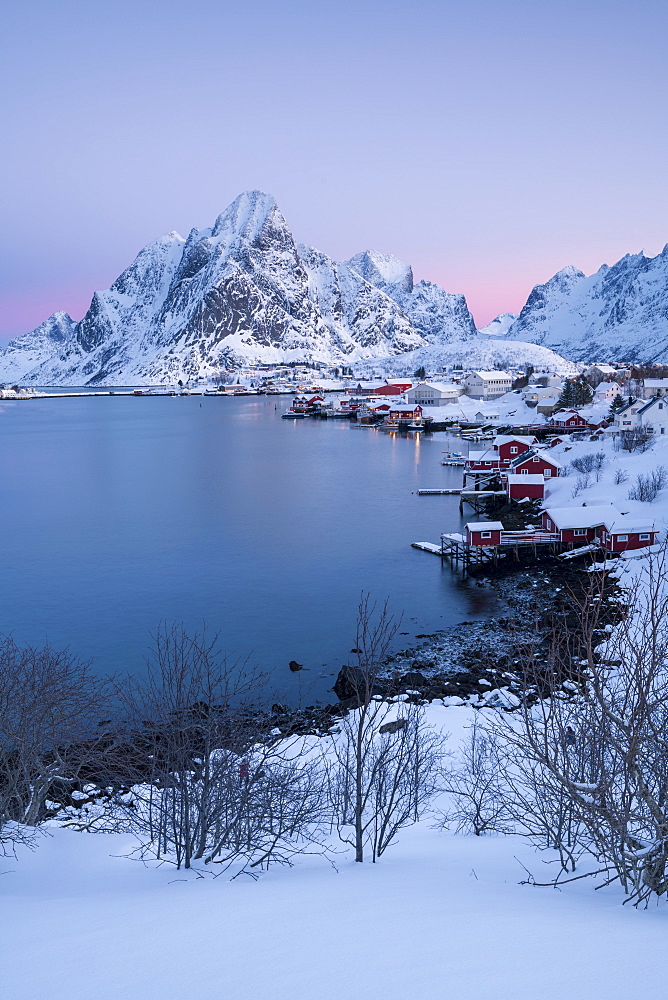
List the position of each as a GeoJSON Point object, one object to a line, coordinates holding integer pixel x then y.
{"type": "Point", "coordinates": [487, 143]}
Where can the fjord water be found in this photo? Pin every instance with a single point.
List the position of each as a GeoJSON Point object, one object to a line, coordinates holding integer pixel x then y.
{"type": "Point", "coordinates": [118, 513]}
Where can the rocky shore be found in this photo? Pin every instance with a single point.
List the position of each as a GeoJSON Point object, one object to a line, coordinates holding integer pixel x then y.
{"type": "Point", "coordinates": [482, 662]}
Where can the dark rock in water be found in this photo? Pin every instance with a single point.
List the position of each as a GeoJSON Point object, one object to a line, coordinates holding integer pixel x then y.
{"type": "Point", "coordinates": [351, 685]}
{"type": "Point", "coordinates": [414, 679]}
{"type": "Point", "coordinates": [294, 666]}
{"type": "Point", "coordinates": [394, 727]}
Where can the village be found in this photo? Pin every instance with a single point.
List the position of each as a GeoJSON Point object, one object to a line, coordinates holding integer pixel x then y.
{"type": "Point", "coordinates": [530, 438]}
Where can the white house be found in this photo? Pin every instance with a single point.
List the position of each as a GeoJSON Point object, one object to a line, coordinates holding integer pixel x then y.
{"type": "Point", "coordinates": [628, 419]}
{"type": "Point", "coordinates": [651, 415]}
{"type": "Point", "coordinates": [434, 393]}
{"type": "Point", "coordinates": [488, 385]}
{"type": "Point", "coordinates": [606, 392]}
{"type": "Point", "coordinates": [654, 387]}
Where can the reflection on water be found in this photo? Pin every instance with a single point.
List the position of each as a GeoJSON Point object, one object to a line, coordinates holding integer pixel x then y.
{"type": "Point", "coordinates": [122, 512]}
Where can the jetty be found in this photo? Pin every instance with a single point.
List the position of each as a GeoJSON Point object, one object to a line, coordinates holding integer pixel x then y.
{"type": "Point", "coordinates": [438, 493]}
{"type": "Point", "coordinates": [469, 549]}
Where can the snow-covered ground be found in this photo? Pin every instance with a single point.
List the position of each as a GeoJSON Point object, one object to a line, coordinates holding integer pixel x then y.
{"type": "Point", "coordinates": [560, 492]}
{"type": "Point", "coordinates": [439, 916]}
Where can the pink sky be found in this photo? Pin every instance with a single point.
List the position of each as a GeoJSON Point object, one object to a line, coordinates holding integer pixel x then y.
{"type": "Point", "coordinates": [489, 143]}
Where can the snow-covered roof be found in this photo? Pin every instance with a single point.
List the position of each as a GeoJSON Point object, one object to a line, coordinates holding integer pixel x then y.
{"type": "Point", "coordinates": [505, 438]}
{"type": "Point", "coordinates": [605, 369]}
{"type": "Point", "coordinates": [581, 517]}
{"type": "Point", "coordinates": [513, 478]}
{"type": "Point", "coordinates": [627, 523]}
{"type": "Point", "coordinates": [486, 376]}
{"type": "Point", "coordinates": [482, 456]}
{"type": "Point", "coordinates": [441, 386]}
{"type": "Point", "coordinates": [527, 456]}
{"type": "Point", "coordinates": [655, 383]}
{"type": "Point", "coordinates": [484, 526]}
{"type": "Point", "coordinates": [649, 404]}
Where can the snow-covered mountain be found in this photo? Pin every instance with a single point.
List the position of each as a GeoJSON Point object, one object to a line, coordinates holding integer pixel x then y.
{"type": "Point", "coordinates": [239, 292]}
{"type": "Point", "coordinates": [618, 314]}
{"type": "Point", "coordinates": [499, 326]}
{"type": "Point", "coordinates": [440, 317]}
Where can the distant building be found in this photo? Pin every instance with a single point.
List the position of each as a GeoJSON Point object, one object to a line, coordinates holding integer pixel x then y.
{"type": "Point", "coordinates": [488, 385]}
{"type": "Point", "coordinates": [434, 393]}
{"type": "Point", "coordinates": [600, 372]}
{"type": "Point", "coordinates": [653, 387]}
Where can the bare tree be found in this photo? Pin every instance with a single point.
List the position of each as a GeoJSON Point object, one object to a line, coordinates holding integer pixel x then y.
{"type": "Point", "coordinates": [386, 761]}
{"type": "Point", "coordinates": [590, 772]}
{"type": "Point", "coordinates": [50, 737]}
{"type": "Point", "coordinates": [207, 781]}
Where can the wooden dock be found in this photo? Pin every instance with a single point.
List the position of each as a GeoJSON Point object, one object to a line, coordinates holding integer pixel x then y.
{"type": "Point", "coordinates": [459, 552]}
{"type": "Point", "coordinates": [438, 493]}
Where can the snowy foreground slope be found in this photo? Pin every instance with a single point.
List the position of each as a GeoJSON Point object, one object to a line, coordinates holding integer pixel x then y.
{"type": "Point", "coordinates": [240, 291]}
{"type": "Point", "coordinates": [618, 314]}
{"type": "Point", "coordinates": [440, 916]}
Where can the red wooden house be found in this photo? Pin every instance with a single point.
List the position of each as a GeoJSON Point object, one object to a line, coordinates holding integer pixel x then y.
{"type": "Point", "coordinates": [483, 532]}
{"type": "Point", "coordinates": [404, 412]}
{"type": "Point", "coordinates": [624, 532]}
{"type": "Point", "coordinates": [508, 447]}
{"type": "Point", "coordinates": [392, 388]}
{"type": "Point", "coordinates": [483, 461]}
{"type": "Point", "coordinates": [568, 420]}
{"type": "Point", "coordinates": [529, 487]}
{"type": "Point", "coordinates": [534, 462]}
{"type": "Point", "coordinates": [577, 525]}
{"type": "Point", "coordinates": [604, 525]}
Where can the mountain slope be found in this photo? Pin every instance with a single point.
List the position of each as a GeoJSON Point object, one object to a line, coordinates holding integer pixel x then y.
{"type": "Point", "coordinates": [618, 314]}
{"type": "Point", "coordinates": [440, 317]}
{"type": "Point", "coordinates": [499, 326]}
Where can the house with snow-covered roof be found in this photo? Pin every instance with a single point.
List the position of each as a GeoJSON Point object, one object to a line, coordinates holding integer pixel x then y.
{"type": "Point", "coordinates": [434, 393]}
{"type": "Point", "coordinates": [488, 385]}
{"type": "Point", "coordinates": [535, 462]}
{"type": "Point", "coordinates": [654, 387]}
{"type": "Point", "coordinates": [528, 487]}
{"type": "Point", "coordinates": [647, 414]}
{"type": "Point", "coordinates": [601, 524]}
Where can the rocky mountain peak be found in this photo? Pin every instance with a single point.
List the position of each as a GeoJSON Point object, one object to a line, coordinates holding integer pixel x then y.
{"type": "Point", "coordinates": [384, 271]}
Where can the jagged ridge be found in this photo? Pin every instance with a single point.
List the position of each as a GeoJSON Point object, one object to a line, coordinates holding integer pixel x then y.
{"type": "Point", "coordinates": [241, 291]}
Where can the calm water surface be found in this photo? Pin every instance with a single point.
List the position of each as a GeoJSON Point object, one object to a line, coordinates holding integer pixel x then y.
{"type": "Point", "coordinates": [119, 513]}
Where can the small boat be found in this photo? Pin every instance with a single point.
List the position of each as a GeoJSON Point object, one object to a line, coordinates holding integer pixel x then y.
{"type": "Point", "coordinates": [292, 415]}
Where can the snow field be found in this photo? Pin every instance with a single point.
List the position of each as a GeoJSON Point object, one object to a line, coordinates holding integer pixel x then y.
{"type": "Point", "coordinates": [439, 916]}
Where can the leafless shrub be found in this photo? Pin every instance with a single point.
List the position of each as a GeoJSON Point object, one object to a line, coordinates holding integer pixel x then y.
{"type": "Point", "coordinates": [477, 786]}
{"type": "Point", "coordinates": [583, 482]}
{"type": "Point", "coordinates": [50, 707]}
{"type": "Point", "coordinates": [213, 787]}
{"type": "Point", "coordinates": [647, 487]}
{"type": "Point", "coordinates": [386, 762]}
{"type": "Point", "coordinates": [620, 476]}
{"type": "Point", "coordinates": [591, 462]}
